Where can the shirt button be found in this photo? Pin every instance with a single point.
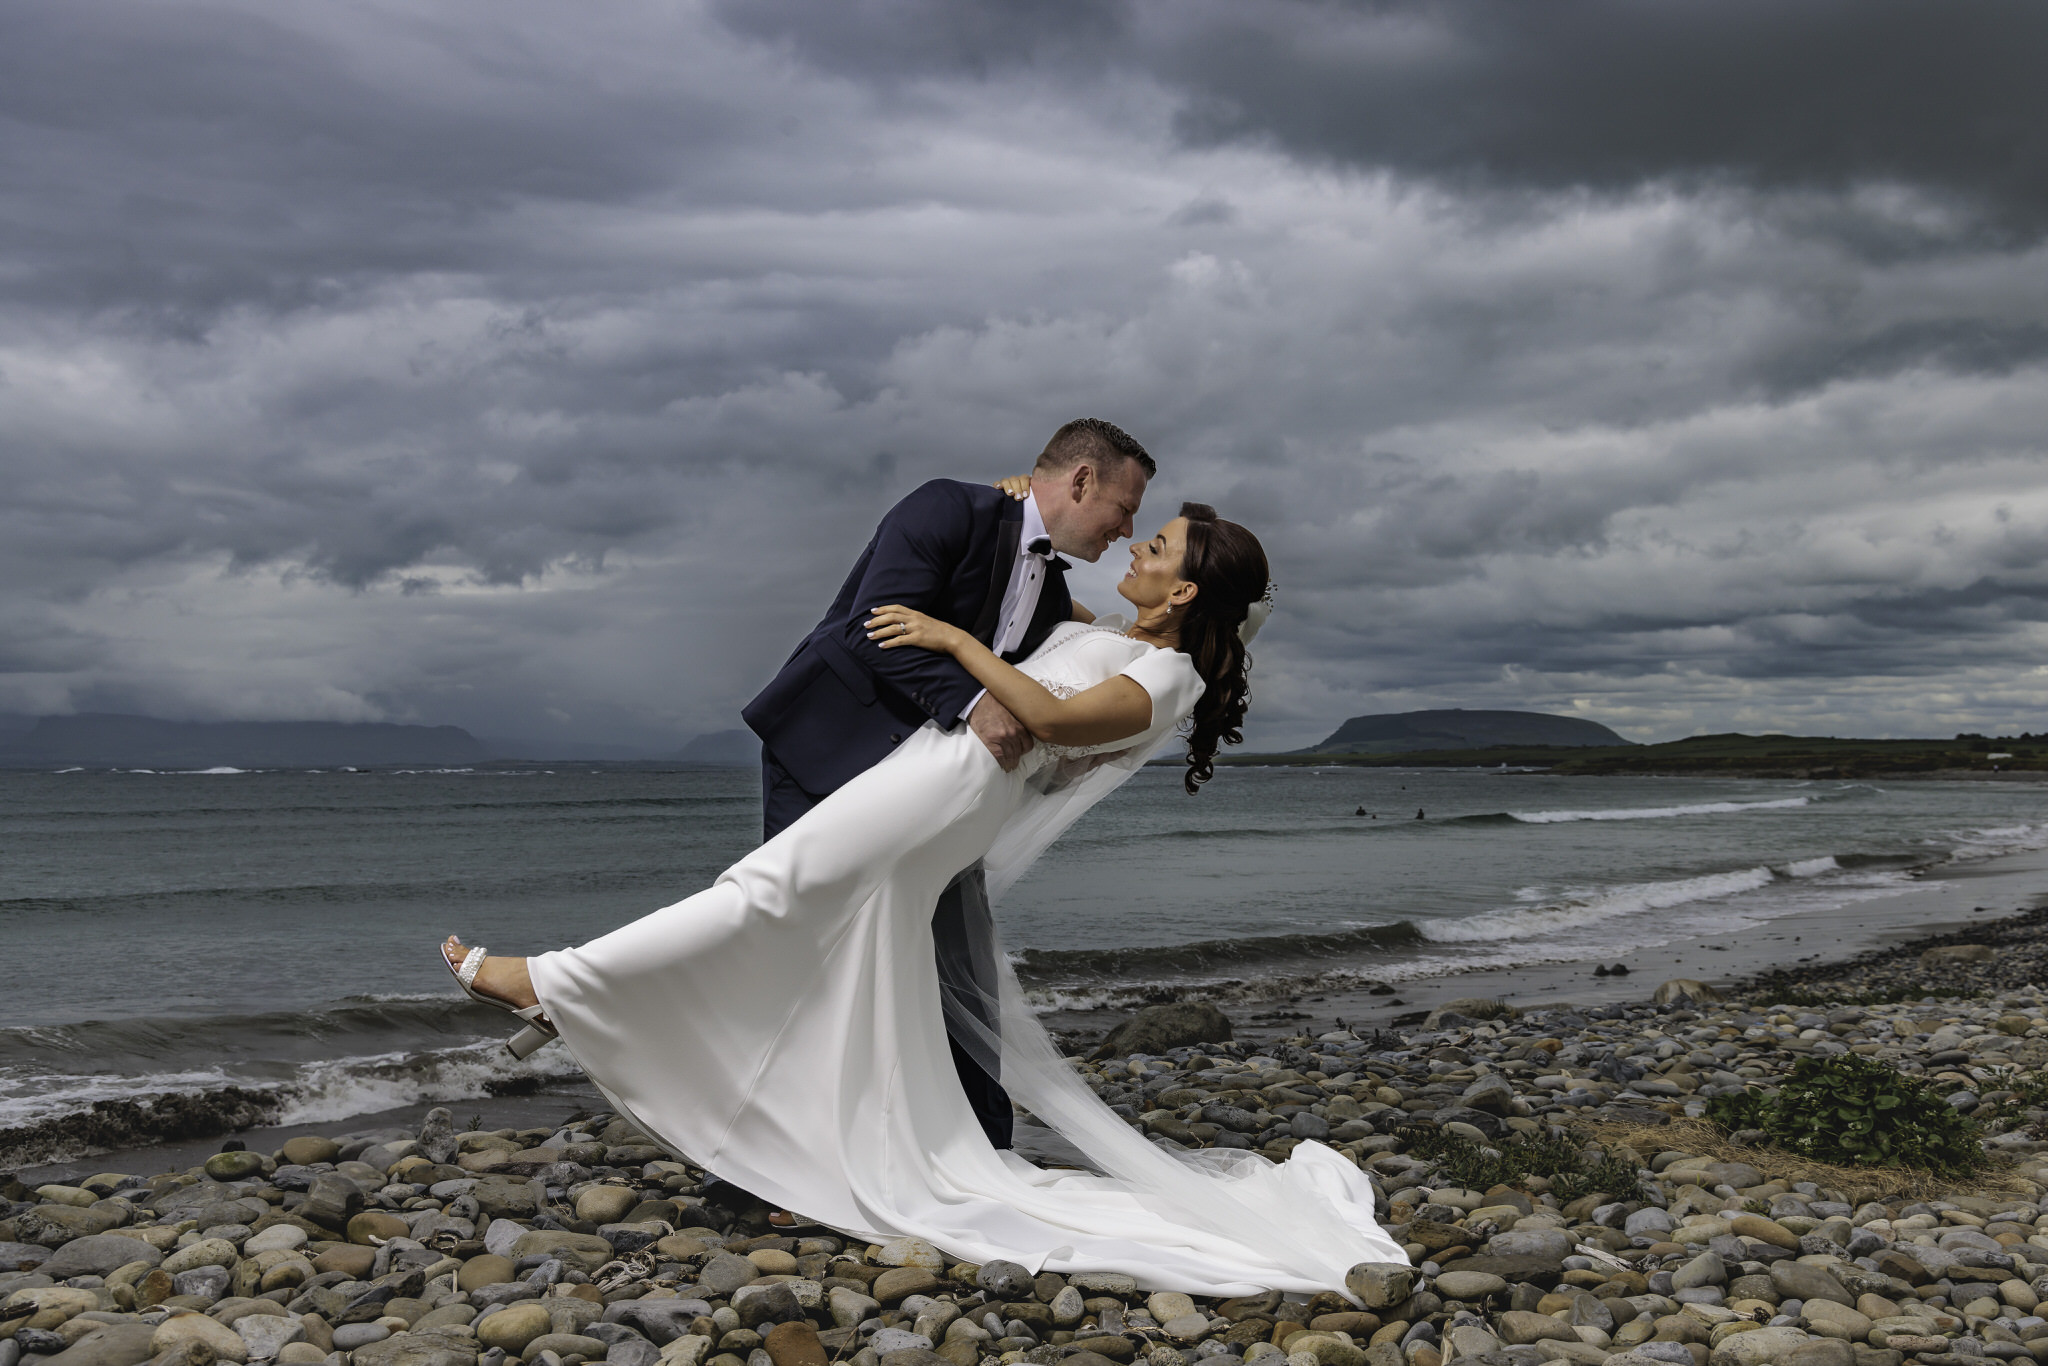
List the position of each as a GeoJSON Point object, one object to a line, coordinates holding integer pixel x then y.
{"type": "Point", "coordinates": [895, 739]}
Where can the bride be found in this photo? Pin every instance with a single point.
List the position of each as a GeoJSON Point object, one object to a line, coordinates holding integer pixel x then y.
{"type": "Point", "coordinates": [785, 1028]}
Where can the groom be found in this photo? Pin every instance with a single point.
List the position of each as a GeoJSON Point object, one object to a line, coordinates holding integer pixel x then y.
{"type": "Point", "coordinates": [972, 556]}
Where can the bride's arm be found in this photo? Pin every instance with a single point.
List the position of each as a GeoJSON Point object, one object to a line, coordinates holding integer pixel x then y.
{"type": "Point", "coordinates": [1111, 710]}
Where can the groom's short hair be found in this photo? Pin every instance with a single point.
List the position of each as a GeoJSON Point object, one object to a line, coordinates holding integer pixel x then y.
{"type": "Point", "coordinates": [1090, 438]}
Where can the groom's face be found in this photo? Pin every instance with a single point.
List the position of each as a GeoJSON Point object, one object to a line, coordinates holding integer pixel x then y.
{"type": "Point", "coordinates": [1089, 513]}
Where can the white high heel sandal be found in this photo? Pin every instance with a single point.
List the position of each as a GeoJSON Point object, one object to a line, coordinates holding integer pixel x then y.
{"type": "Point", "coordinates": [537, 1032]}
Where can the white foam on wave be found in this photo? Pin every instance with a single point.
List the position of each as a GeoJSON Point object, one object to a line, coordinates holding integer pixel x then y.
{"type": "Point", "coordinates": [1555, 912]}
{"type": "Point", "coordinates": [208, 772]}
{"type": "Point", "coordinates": [71, 770]}
{"type": "Point", "coordinates": [1812, 867]}
{"type": "Point", "coordinates": [1996, 841]}
{"type": "Point", "coordinates": [317, 1092]}
{"type": "Point", "coordinates": [30, 1097]}
{"type": "Point", "coordinates": [329, 1091]}
{"type": "Point", "coordinates": [1652, 813]}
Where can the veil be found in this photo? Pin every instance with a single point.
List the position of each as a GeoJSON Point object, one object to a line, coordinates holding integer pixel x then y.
{"type": "Point", "coordinates": [1310, 1215]}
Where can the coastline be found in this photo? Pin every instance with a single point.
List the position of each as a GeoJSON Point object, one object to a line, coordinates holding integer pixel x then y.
{"type": "Point", "coordinates": [1954, 897]}
{"type": "Point", "coordinates": [1635, 1234]}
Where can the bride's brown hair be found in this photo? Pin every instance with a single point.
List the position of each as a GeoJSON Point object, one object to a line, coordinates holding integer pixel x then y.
{"type": "Point", "coordinates": [1227, 565]}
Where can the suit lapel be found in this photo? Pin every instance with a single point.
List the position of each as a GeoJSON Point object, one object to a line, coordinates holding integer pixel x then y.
{"type": "Point", "coordinates": [1008, 534]}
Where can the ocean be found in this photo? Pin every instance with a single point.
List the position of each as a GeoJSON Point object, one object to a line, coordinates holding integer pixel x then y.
{"type": "Point", "coordinates": [268, 938]}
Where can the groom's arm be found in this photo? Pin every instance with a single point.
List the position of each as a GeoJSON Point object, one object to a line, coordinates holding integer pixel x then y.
{"type": "Point", "coordinates": [918, 549]}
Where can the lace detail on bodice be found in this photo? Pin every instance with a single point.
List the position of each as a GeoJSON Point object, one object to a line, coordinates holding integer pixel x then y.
{"type": "Point", "coordinates": [1075, 658]}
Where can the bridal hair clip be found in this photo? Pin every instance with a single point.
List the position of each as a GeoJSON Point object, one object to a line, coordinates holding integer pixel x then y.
{"type": "Point", "coordinates": [1255, 617]}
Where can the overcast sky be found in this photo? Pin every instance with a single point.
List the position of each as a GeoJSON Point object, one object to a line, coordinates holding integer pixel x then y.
{"type": "Point", "coordinates": [540, 368]}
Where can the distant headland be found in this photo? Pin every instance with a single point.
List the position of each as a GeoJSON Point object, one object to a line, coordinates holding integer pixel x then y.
{"type": "Point", "coordinates": [1408, 732]}
{"type": "Point", "coordinates": [1406, 741]}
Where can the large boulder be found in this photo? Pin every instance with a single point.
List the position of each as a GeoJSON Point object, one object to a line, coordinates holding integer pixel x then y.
{"type": "Point", "coordinates": [98, 1254]}
{"type": "Point", "coordinates": [185, 1327]}
{"type": "Point", "coordinates": [21, 1256]}
{"type": "Point", "coordinates": [56, 1225]}
{"type": "Point", "coordinates": [117, 1344]}
{"type": "Point", "coordinates": [430, 1348]}
{"type": "Point", "coordinates": [1156, 1029]}
{"type": "Point", "coordinates": [1692, 988]}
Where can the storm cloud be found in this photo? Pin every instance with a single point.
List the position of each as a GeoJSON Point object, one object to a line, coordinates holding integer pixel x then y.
{"type": "Point", "coordinates": [540, 369]}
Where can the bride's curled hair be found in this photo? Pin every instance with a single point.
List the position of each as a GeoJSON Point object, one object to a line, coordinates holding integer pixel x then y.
{"type": "Point", "coordinates": [1227, 565]}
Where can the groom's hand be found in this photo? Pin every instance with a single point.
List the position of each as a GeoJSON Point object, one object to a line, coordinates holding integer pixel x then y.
{"type": "Point", "coordinates": [1004, 735]}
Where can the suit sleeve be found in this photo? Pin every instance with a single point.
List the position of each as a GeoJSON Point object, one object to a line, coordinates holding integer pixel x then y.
{"type": "Point", "coordinates": [918, 548]}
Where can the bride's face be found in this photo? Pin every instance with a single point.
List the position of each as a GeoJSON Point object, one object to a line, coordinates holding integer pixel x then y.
{"type": "Point", "coordinates": [1154, 579]}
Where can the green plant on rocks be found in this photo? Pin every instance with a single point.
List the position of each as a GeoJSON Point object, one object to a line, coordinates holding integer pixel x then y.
{"type": "Point", "coordinates": [1572, 1167]}
{"type": "Point", "coordinates": [2010, 1094]}
{"type": "Point", "coordinates": [1854, 1112]}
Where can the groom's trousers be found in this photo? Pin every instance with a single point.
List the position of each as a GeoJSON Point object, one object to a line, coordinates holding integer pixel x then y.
{"type": "Point", "coordinates": [963, 947]}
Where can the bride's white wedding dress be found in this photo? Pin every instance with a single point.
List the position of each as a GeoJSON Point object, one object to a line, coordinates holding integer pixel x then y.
{"type": "Point", "coordinates": [784, 1028]}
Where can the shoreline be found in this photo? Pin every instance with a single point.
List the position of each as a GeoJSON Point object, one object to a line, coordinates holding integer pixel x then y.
{"type": "Point", "coordinates": [1938, 904]}
{"type": "Point", "coordinates": [1943, 901]}
{"type": "Point", "coordinates": [1631, 1235]}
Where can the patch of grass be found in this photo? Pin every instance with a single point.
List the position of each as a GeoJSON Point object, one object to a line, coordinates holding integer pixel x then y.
{"type": "Point", "coordinates": [1573, 1167]}
{"type": "Point", "coordinates": [1857, 1185]}
{"type": "Point", "coordinates": [1851, 1111]}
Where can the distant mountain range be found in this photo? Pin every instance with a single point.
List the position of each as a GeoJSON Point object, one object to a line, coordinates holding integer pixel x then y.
{"type": "Point", "coordinates": [105, 740]}
{"type": "Point", "coordinates": [1453, 728]}
{"type": "Point", "coordinates": [110, 740]}
{"type": "Point", "coordinates": [722, 749]}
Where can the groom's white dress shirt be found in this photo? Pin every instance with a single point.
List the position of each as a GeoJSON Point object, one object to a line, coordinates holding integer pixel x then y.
{"type": "Point", "coordinates": [1020, 598]}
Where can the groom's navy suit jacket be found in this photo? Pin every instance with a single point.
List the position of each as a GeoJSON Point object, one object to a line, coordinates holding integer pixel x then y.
{"type": "Point", "coordinates": [840, 703]}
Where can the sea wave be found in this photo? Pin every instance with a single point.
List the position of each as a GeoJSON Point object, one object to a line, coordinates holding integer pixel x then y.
{"type": "Point", "coordinates": [1253, 953]}
{"type": "Point", "coordinates": [1652, 813]}
{"type": "Point", "coordinates": [68, 1091]}
{"type": "Point", "coordinates": [1996, 841]}
{"type": "Point", "coordinates": [1550, 913]}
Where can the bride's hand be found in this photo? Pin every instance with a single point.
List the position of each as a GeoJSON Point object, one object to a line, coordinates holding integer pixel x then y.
{"type": "Point", "coordinates": [1017, 485]}
{"type": "Point", "coordinates": [892, 626]}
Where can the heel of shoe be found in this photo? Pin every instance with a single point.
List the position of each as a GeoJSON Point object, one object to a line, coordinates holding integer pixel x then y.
{"type": "Point", "coordinates": [527, 1042]}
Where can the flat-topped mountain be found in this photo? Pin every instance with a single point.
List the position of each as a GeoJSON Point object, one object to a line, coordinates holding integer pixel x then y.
{"type": "Point", "coordinates": [106, 740]}
{"type": "Point", "coordinates": [1454, 728]}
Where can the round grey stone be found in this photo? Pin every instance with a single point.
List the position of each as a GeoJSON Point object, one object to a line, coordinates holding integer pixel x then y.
{"type": "Point", "coordinates": [98, 1254]}
{"type": "Point", "coordinates": [350, 1336]}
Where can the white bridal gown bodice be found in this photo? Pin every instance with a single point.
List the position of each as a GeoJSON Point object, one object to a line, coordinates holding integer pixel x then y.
{"type": "Point", "coordinates": [784, 1029]}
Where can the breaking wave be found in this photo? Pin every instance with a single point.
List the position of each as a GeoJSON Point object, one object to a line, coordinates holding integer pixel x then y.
{"type": "Point", "coordinates": [70, 1090]}
{"type": "Point", "coordinates": [1231, 956]}
{"type": "Point", "coordinates": [1655, 813]}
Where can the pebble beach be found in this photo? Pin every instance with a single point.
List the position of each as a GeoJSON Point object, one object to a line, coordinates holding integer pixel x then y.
{"type": "Point", "coordinates": [450, 1243]}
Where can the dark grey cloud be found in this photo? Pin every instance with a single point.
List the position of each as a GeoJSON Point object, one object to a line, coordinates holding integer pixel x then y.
{"type": "Point", "coordinates": [1602, 94]}
{"type": "Point", "coordinates": [540, 369]}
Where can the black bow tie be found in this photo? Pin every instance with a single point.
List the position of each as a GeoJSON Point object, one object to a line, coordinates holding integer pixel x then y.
{"type": "Point", "coordinates": [1041, 546]}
